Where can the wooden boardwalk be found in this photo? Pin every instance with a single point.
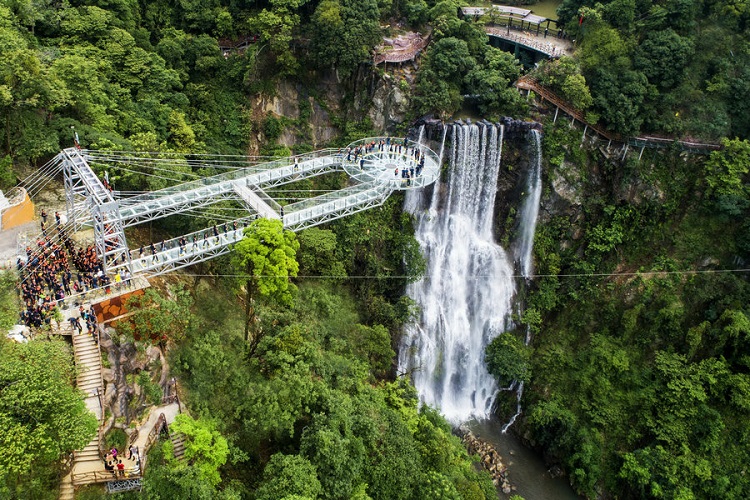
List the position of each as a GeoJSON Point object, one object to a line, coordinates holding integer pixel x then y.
{"type": "Point", "coordinates": [532, 85]}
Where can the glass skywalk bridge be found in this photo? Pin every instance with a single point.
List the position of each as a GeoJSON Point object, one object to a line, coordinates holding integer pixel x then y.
{"type": "Point", "coordinates": [377, 167]}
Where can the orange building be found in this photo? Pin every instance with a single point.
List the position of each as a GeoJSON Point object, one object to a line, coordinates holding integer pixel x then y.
{"type": "Point", "coordinates": [15, 209]}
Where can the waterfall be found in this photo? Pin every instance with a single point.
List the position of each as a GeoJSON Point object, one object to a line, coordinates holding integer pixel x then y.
{"type": "Point", "coordinates": [527, 227]}
{"type": "Point", "coordinates": [465, 296]}
{"type": "Point", "coordinates": [530, 209]}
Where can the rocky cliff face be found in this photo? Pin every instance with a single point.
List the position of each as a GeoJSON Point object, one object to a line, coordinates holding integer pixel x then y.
{"type": "Point", "coordinates": [313, 114]}
{"type": "Point", "coordinates": [391, 100]}
{"type": "Point", "coordinates": [306, 119]}
{"type": "Point", "coordinates": [124, 398]}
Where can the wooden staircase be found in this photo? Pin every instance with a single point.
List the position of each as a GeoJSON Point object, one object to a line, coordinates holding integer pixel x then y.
{"type": "Point", "coordinates": [178, 444]}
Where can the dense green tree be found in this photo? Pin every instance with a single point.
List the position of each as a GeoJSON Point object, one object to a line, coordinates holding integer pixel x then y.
{"type": "Point", "coordinates": [492, 84]}
{"type": "Point", "coordinates": [7, 177]}
{"type": "Point", "coordinates": [345, 33]}
{"type": "Point", "coordinates": [288, 475]}
{"type": "Point", "coordinates": [276, 27]}
{"type": "Point", "coordinates": [508, 359]}
{"type": "Point", "coordinates": [205, 448]}
{"type": "Point", "coordinates": [317, 254]}
{"type": "Point", "coordinates": [42, 416]}
{"type": "Point", "coordinates": [726, 170]}
{"type": "Point", "coordinates": [8, 301]}
{"type": "Point", "coordinates": [164, 481]}
{"type": "Point", "coordinates": [267, 258]}
{"type": "Point", "coordinates": [663, 56]}
{"type": "Point", "coordinates": [439, 82]}
{"type": "Point", "coordinates": [158, 317]}
{"type": "Point", "coordinates": [434, 95]}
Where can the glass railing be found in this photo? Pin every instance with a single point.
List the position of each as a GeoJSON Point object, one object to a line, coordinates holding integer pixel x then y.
{"type": "Point", "coordinates": [256, 170]}
{"type": "Point", "coordinates": [330, 203]}
{"type": "Point", "coordinates": [391, 161]}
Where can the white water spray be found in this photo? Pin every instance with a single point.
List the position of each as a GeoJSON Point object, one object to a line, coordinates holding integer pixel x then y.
{"type": "Point", "coordinates": [465, 297]}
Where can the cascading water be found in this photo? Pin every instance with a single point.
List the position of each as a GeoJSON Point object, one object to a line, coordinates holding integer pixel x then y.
{"type": "Point", "coordinates": [465, 296]}
{"type": "Point", "coordinates": [530, 209]}
{"type": "Point", "coordinates": [527, 226]}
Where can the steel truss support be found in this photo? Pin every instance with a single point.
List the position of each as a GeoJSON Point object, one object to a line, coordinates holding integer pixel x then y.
{"type": "Point", "coordinates": [203, 245]}
{"type": "Point", "coordinates": [83, 189]}
{"type": "Point", "coordinates": [76, 195]}
{"type": "Point", "coordinates": [175, 208]}
{"type": "Point", "coordinates": [204, 192]}
{"type": "Point", "coordinates": [327, 211]}
{"type": "Point", "coordinates": [109, 235]}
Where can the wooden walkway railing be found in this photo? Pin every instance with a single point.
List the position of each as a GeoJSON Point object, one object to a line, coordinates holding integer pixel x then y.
{"type": "Point", "coordinates": [547, 48]}
{"type": "Point", "coordinates": [531, 84]}
{"type": "Point", "coordinates": [94, 476]}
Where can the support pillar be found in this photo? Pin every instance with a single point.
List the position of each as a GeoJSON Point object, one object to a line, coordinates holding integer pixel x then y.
{"type": "Point", "coordinates": [557, 109]}
{"type": "Point", "coordinates": [625, 151]}
{"type": "Point", "coordinates": [641, 153]}
{"type": "Point", "coordinates": [583, 137]}
{"type": "Point", "coordinates": [109, 235]}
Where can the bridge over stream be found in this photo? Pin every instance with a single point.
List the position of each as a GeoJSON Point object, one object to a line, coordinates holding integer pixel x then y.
{"type": "Point", "coordinates": [376, 167]}
{"type": "Point", "coordinates": [522, 29]}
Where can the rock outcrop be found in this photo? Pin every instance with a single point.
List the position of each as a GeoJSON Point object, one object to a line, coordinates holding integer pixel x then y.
{"type": "Point", "coordinates": [489, 458]}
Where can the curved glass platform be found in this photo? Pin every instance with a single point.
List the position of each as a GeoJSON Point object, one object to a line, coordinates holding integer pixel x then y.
{"type": "Point", "coordinates": [394, 163]}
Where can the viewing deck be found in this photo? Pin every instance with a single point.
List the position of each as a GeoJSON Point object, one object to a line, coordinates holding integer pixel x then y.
{"type": "Point", "coordinates": [549, 45]}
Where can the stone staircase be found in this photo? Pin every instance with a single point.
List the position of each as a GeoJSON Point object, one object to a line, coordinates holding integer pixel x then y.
{"type": "Point", "coordinates": [89, 363]}
{"type": "Point", "coordinates": [87, 462]}
{"type": "Point", "coordinates": [67, 491]}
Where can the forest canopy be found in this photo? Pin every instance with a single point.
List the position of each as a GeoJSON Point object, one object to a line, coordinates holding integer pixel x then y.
{"type": "Point", "coordinates": [637, 387]}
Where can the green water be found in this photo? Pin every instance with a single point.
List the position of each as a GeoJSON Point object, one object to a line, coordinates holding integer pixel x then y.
{"type": "Point", "coordinates": [546, 8]}
{"type": "Point", "coordinates": [526, 470]}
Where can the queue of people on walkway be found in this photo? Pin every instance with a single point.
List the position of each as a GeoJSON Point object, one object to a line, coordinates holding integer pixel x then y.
{"type": "Point", "coordinates": [387, 145]}
{"type": "Point", "coordinates": [200, 239]}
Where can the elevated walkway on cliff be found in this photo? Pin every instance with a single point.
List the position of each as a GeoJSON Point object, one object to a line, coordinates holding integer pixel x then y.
{"type": "Point", "coordinates": [529, 84]}
{"type": "Point", "coordinates": [376, 167]}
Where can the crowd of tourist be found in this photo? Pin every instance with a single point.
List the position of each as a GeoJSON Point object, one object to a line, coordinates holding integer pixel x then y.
{"type": "Point", "coordinates": [115, 465]}
{"type": "Point", "coordinates": [408, 172]}
{"type": "Point", "coordinates": [54, 270]}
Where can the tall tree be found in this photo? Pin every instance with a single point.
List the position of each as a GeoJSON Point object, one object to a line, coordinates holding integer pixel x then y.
{"type": "Point", "coordinates": [276, 27]}
{"type": "Point", "coordinates": [205, 448]}
{"type": "Point", "coordinates": [266, 259]}
{"type": "Point", "coordinates": [352, 25]}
